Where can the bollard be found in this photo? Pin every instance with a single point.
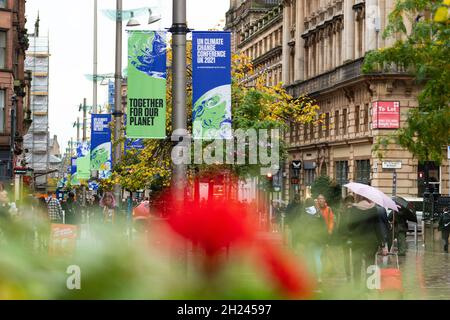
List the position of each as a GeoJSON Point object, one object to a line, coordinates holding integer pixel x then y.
{"type": "Point", "coordinates": [415, 235]}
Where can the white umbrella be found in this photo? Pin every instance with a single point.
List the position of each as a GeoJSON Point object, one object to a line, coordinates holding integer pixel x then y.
{"type": "Point", "coordinates": [372, 194]}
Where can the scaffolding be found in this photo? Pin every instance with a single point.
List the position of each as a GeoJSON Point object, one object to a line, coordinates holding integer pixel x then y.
{"type": "Point", "coordinates": [37, 141]}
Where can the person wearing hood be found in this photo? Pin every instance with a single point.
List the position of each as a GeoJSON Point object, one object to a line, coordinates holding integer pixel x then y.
{"type": "Point", "coordinates": [312, 232]}
{"type": "Point", "coordinates": [364, 228]}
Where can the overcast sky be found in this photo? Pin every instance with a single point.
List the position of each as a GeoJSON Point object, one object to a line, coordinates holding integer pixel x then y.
{"type": "Point", "coordinates": [70, 27]}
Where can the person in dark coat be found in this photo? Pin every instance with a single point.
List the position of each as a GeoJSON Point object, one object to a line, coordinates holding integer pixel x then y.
{"type": "Point", "coordinates": [293, 210]}
{"type": "Point", "coordinates": [400, 224]}
{"type": "Point", "coordinates": [444, 227]}
{"type": "Point", "coordinates": [72, 210]}
{"type": "Point", "coordinates": [312, 233]}
{"type": "Point", "coordinates": [385, 232]}
{"type": "Point", "coordinates": [364, 228]}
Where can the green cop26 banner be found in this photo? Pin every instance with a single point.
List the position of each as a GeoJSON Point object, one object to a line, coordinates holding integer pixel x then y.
{"type": "Point", "coordinates": [83, 161]}
{"type": "Point", "coordinates": [146, 101]}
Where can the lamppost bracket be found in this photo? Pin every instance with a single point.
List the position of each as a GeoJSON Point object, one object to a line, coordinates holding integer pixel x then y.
{"type": "Point", "coordinates": [179, 28]}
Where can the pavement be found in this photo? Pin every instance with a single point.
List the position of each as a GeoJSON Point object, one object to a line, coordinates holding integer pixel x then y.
{"type": "Point", "coordinates": [425, 276]}
{"type": "Point", "coordinates": [425, 272]}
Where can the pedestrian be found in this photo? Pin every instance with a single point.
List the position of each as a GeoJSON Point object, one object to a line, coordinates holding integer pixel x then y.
{"type": "Point", "coordinates": [108, 203]}
{"type": "Point", "coordinates": [343, 233]}
{"type": "Point", "coordinates": [293, 210]}
{"type": "Point", "coordinates": [364, 228]}
{"type": "Point", "coordinates": [72, 210]}
{"type": "Point", "coordinates": [444, 227]}
{"type": "Point", "coordinates": [95, 211]}
{"type": "Point", "coordinates": [326, 212]}
{"type": "Point", "coordinates": [55, 213]}
{"type": "Point", "coordinates": [311, 231]}
{"type": "Point", "coordinates": [385, 230]}
{"type": "Point", "coordinates": [42, 223]}
{"type": "Point", "coordinates": [400, 225]}
{"type": "Point", "coordinates": [4, 202]}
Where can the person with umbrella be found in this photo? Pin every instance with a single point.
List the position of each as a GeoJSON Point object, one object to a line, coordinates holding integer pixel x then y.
{"type": "Point", "coordinates": [400, 223]}
{"type": "Point", "coordinates": [364, 228]}
{"type": "Point", "coordinates": [364, 225]}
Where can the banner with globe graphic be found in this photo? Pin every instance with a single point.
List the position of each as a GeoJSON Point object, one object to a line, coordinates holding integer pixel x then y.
{"type": "Point", "coordinates": [211, 82]}
{"type": "Point", "coordinates": [83, 160]}
{"type": "Point", "coordinates": [101, 146]}
{"type": "Point", "coordinates": [73, 172]}
{"type": "Point", "coordinates": [147, 74]}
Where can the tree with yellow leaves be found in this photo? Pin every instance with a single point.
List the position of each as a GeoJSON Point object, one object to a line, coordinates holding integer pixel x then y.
{"type": "Point", "coordinates": [258, 107]}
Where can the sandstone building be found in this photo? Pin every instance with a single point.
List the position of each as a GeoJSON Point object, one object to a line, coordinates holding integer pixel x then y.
{"type": "Point", "coordinates": [323, 45]}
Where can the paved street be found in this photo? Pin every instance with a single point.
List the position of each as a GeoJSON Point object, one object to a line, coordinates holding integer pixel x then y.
{"type": "Point", "coordinates": [425, 275]}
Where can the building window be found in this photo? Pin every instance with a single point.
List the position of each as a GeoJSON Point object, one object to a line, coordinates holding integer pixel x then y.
{"type": "Point", "coordinates": [292, 132]}
{"type": "Point", "coordinates": [327, 125]}
{"type": "Point", "coordinates": [362, 171]}
{"type": "Point", "coordinates": [336, 123]}
{"type": "Point", "coordinates": [2, 110]}
{"type": "Point", "coordinates": [366, 117]}
{"type": "Point", "coordinates": [310, 176]}
{"type": "Point", "coordinates": [2, 49]}
{"type": "Point", "coordinates": [2, 3]}
{"type": "Point", "coordinates": [305, 132]}
{"type": "Point", "coordinates": [341, 172]}
{"type": "Point", "coordinates": [311, 130]}
{"type": "Point", "coordinates": [321, 129]}
{"type": "Point", "coordinates": [433, 178]}
{"type": "Point", "coordinates": [357, 121]}
{"type": "Point", "coordinates": [344, 121]}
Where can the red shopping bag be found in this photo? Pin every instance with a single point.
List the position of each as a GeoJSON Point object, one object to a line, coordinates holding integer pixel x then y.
{"type": "Point", "coordinates": [391, 280]}
{"type": "Point", "coordinates": [391, 277]}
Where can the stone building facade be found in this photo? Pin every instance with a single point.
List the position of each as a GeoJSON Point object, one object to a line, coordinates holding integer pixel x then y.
{"type": "Point", "coordinates": [262, 42]}
{"type": "Point", "coordinates": [14, 87]}
{"type": "Point", "coordinates": [323, 44]}
{"type": "Point", "coordinates": [323, 52]}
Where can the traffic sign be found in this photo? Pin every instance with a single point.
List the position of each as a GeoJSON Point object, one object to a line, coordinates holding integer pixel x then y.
{"type": "Point", "coordinates": [392, 164]}
{"type": "Point", "coordinates": [21, 170]}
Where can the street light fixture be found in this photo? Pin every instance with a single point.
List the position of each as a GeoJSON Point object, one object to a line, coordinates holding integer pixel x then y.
{"type": "Point", "coordinates": [152, 18]}
{"type": "Point", "coordinates": [133, 22]}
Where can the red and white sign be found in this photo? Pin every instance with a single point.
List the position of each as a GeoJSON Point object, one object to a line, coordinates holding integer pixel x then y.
{"type": "Point", "coordinates": [386, 115]}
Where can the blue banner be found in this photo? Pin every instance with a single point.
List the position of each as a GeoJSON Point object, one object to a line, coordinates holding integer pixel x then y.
{"type": "Point", "coordinates": [101, 146]}
{"type": "Point", "coordinates": [137, 144]}
{"type": "Point", "coordinates": [111, 95]}
{"type": "Point", "coordinates": [129, 144]}
{"type": "Point", "coordinates": [211, 81]}
{"type": "Point", "coordinates": [73, 172]}
{"type": "Point", "coordinates": [73, 165]}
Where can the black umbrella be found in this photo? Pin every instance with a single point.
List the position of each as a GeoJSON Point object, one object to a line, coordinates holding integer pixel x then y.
{"type": "Point", "coordinates": [406, 209]}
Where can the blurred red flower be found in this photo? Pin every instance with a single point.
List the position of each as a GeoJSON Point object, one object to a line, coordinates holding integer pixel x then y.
{"type": "Point", "coordinates": [218, 224]}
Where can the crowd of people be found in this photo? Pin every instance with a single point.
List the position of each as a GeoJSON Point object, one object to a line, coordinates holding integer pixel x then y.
{"type": "Point", "coordinates": [357, 227]}
{"type": "Point", "coordinates": [39, 212]}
